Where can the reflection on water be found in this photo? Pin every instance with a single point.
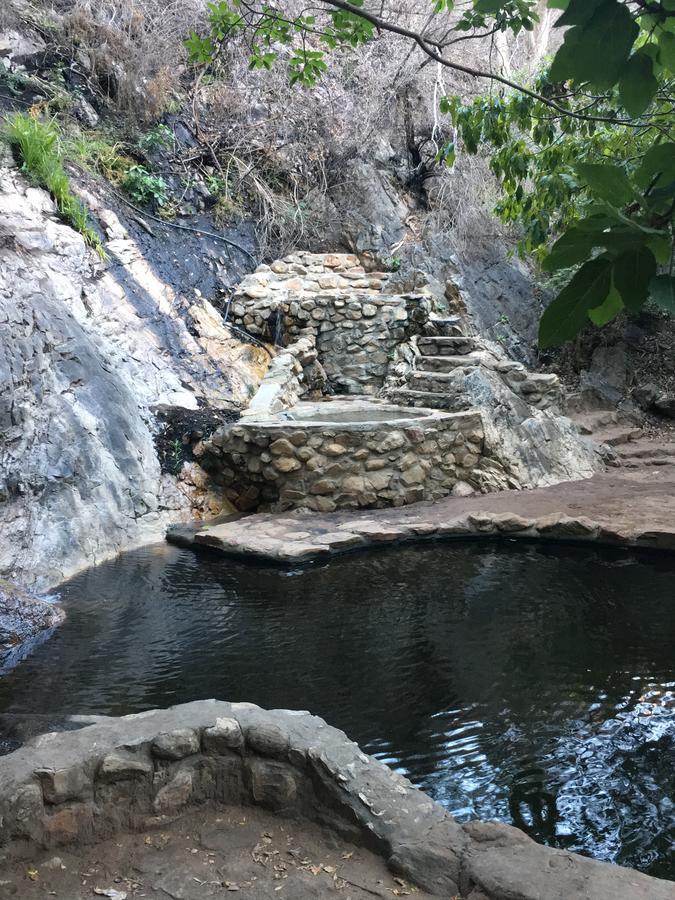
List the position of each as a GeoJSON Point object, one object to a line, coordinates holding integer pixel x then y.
{"type": "Point", "coordinates": [535, 686]}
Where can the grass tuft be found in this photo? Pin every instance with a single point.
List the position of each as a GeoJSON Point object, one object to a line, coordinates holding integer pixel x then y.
{"type": "Point", "coordinates": [38, 144]}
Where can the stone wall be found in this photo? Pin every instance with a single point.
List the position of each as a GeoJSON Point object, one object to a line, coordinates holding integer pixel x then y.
{"type": "Point", "coordinates": [140, 771]}
{"type": "Point", "coordinates": [329, 299]}
{"type": "Point", "coordinates": [330, 456]}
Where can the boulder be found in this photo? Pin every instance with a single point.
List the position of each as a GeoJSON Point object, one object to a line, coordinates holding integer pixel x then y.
{"type": "Point", "coordinates": [603, 384]}
{"type": "Point", "coordinates": [665, 405]}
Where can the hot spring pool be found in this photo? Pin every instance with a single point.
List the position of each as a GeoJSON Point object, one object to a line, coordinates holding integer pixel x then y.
{"type": "Point", "coordinates": [514, 682]}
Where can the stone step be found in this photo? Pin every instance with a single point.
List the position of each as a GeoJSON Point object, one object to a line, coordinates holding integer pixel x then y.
{"type": "Point", "coordinates": [589, 422]}
{"type": "Point", "coordinates": [436, 382]}
{"type": "Point", "coordinates": [447, 364]}
{"type": "Point", "coordinates": [618, 434]}
{"type": "Point", "coordinates": [639, 462]}
{"type": "Point", "coordinates": [446, 346]}
{"type": "Point", "coordinates": [452, 326]}
{"type": "Point", "coordinates": [539, 382]}
{"type": "Point", "coordinates": [429, 399]}
{"type": "Point", "coordinates": [646, 449]}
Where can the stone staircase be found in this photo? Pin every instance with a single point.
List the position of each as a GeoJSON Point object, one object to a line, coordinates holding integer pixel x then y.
{"type": "Point", "coordinates": [628, 446]}
{"type": "Point", "coordinates": [444, 358]}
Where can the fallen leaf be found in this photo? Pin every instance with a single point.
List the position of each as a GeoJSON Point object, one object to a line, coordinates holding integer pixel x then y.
{"type": "Point", "coordinates": [33, 874]}
{"type": "Point", "coordinates": [111, 893]}
{"type": "Point", "coordinates": [348, 855]}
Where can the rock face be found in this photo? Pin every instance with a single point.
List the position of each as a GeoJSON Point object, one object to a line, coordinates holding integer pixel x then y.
{"type": "Point", "coordinates": [22, 617]}
{"type": "Point", "coordinates": [86, 352]}
{"type": "Point", "coordinates": [122, 774]}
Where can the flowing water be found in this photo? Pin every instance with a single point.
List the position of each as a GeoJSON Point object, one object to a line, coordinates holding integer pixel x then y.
{"type": "Point", "coordinates": [532, 685]}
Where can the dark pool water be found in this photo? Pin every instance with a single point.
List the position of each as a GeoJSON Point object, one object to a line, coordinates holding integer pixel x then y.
{"type": "Point", "coordinates": [532, 685]}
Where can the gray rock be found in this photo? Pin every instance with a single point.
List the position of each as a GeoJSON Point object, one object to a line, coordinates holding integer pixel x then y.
{"type": "Point", "coordinates": [223, 737]}
{"type": "Point", "coordinates": [176, 744]}
{"type": "Point", "coordinates": [665, 405]}
{"type": "Point", "coordinates": [86, 353]}
{"type": "Point", "coordinates": [268, 740]}
{"type": "Point", "coordinates": [645, 395]}
{"type": "Point", "coordinates": [85, 112]}
{"type": "Point", "coordinates": [64, 784]}
{"type": "Point", "coordinates": [175, 794]}
{"type": "Point", "coordinates": [604, 383]}
{"type": "Point", "coordinates": [120, 766]}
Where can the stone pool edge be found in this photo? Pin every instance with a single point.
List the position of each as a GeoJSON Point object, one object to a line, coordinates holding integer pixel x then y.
{"type": "Point", "coordinates": [630, 510]}
{"type": "Point", "coordinates": [143, 770]}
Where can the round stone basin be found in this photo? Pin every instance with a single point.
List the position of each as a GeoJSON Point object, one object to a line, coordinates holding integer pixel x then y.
{"type": "Point", "coordinates": [345, 454]}
{"type": "Point", "coordinates": [351, 412]}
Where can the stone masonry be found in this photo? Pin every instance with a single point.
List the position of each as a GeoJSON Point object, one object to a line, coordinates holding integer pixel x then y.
{"type": "Point", "coordinates": [332, 304]}
{"type": "Point", "coordinates": [144, 770]}
{"type": "Point", "coordinates": [330, 456]}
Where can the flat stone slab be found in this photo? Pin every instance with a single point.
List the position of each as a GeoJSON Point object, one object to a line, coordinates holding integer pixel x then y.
{"type": "Point", "coordinates": [624, 508]}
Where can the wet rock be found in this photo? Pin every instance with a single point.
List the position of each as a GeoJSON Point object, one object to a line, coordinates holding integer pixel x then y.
{"type": "Point", "coordinates": [86, 352]}
{"type": "Point", "coordinates": [23, 618]}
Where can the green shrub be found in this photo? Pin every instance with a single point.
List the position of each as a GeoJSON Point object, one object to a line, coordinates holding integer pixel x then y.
{"type": "Point", "coordinates": [98, 153]}
{"type": "Point", "coordinates": [143, 187]}
{"type": "Point", "coordinates": [158, 138]}
{"type": "Point", "coordinates": [39, 147]}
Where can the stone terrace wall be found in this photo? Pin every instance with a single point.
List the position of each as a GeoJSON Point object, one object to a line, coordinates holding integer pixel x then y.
{"type": "Point", "coordinates": [355, 325]}
{"type": "Point", "coordinates": [141, 770]}
{"type": "Point", "coordinates": [326, 466]}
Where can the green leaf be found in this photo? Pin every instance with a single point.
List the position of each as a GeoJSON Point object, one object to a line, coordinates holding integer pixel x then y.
{"type": "Point", "coordinates": [602, 315]}
{"type": "Point", "coordinates": [568, 313]}
{"type": "Point", "coordinates": [662, 248]}
{"type": "Point", "coordinates": [638, 85]}
{"type": "Point", "coordinates": [597, 50]}
{"type": "Point", "coordinates": [609, 182]}
{"type": "Point", "coordinates": [633, 271]}
{"type": "Point", "coordinates": [662, 292]}
{"type": "Point", "coordinates": [658, 159]}
{"type": "Point", "coordinates": [573, 247]}
{"type": "Point", "coordinates": [577, 12]}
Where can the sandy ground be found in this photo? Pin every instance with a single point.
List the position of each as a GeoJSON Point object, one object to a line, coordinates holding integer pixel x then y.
{"type": "Point", "coordinates": [209, 853]}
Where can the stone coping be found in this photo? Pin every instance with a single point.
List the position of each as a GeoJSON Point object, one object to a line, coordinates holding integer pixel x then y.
{"type": "Point", "coordinates": [143, 770]}
{"type": "Point", "coordinates": [345, 415]}
{"type": "Point", "coordinates": [626, 509]}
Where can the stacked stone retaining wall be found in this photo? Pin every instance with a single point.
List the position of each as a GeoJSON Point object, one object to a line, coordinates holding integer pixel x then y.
{"type": "Point", "coordinates": [142, 771]}
{"type": "Point", "coordinates": [324, 465]}
{"type": "Point", "coordinates": [354, 324]}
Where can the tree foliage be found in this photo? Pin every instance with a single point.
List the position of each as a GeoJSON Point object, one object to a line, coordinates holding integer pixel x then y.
{"type": "Point", "coordinates": [585, 154]}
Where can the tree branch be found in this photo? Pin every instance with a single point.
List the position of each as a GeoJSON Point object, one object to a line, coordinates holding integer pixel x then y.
{"type": "Point", "coordinates": [434, 50]}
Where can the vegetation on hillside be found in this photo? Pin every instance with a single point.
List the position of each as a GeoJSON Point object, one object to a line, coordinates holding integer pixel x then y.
{"type": "Point", "coordinates": [555, 144]}
{"type": "Point", "coordinates": [39, 146]}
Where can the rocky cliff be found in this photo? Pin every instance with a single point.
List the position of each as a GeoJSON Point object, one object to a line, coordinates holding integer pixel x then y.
{"type": "Point", "coordinates": [89, 355]}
